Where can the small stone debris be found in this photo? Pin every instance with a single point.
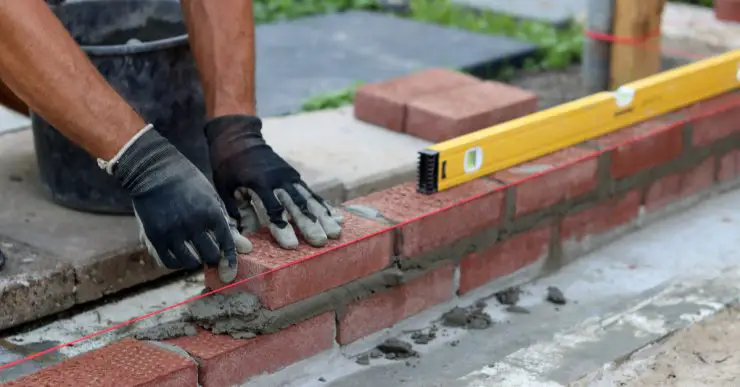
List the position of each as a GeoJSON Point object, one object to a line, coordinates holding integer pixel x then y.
{"type": "Point", "coordinates": [517, 309]}
{"type": "Point", "coordinates": [474, 318]}
{"type": "Point", "coordinates": [508, 296]}
{"type": "Point", "coordinates": [555, 296]}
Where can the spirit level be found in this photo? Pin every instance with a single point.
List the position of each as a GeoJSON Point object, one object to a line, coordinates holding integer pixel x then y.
{"type": "Point", "coordinates": [461, 159]}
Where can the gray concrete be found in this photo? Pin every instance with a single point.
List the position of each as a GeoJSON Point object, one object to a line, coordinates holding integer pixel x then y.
{"type": "Point", "coordinates": [301, 58]}
{"type": "Point", "coordinates": [58, 258]}
{"type": "Point", "coordinates": [12, 121]}
{"type": "Point", "coordinates": [557, 12]}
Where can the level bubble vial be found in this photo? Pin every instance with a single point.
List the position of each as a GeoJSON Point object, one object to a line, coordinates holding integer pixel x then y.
{"type": "Point", "coordinates": [473, 159]}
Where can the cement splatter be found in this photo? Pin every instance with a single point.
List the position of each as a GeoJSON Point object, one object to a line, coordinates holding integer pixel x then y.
{"type": "Point", "coordinates": [508, 296]}
{"type": "Point", "coordinates": [468, 318]}
{"type": "Point", "coordinates": [397, 349]}
{"type": "Point", "coordinates": [555, 296]}
{"type": "Point", "coordinates": [517, 309]}
{"type": "Point", "coordinates": [423, 338]}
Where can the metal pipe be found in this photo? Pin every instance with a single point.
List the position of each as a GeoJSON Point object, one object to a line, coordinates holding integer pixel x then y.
{"type": "Point", "coordinates": [597, 53]}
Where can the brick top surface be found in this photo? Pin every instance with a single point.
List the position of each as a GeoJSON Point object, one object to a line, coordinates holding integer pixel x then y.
{"type": "Point", "coordinates": [124, 363]}
{"type": "Point", "coordinates": [472, 99]}
{"type": "Point", "coordinates": [402, 202]}
{"type": "Point", "coordinates": [405, 88]}
{"type": "Point", "coordinates": [542, 164]}
{"type": "Point", "coordinates": [267, 255]}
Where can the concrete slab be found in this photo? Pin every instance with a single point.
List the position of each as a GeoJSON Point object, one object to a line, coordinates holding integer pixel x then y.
{"type": "Point", "coordinates": [301, 58]}
{"type": "Point", "coordinates": [12, 121]}
{"type": "Point", "coordinates": [556, 12]}
{"type": "Point", "coordinates": [364, 157]}
{"type": "Point", "coordinates": [685, 22]}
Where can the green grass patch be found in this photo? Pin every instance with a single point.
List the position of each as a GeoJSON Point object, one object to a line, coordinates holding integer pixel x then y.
{"type": "Point", "coordinates": [266, 11]}
{"type": "Point", "coordinates": [331, 100]}
{"type": "Point", "coordinates": [703, 3]}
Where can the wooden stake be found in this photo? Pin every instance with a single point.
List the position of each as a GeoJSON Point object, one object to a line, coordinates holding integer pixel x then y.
{"type": "Point", "coordinates": [630, 61]}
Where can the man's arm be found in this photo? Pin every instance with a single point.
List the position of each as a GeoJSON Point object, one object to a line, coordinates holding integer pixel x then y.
{"type": "Point", "coordinates": [45, 67]}
{"type": "Point", "coordinates": [222, 39]}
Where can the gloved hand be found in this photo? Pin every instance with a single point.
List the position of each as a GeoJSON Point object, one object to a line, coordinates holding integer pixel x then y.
{"type": "Point", "coordinates": [183, 220]}
{"type": "Point", "coordinates": [245, 168]}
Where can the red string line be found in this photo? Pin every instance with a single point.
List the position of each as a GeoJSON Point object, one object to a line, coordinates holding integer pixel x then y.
{"type": "Point", "coordinates": [640, 41]}
{"type": "Point", "coordinates": [703, 114]}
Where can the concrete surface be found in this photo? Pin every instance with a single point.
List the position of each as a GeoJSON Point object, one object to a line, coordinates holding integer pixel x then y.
{"type": "Point", "coordinates": [301, 58]}
{"type": "Point", "coordinates": [698, 25]}
{"type": "Point", "coordinates": [704, 354]}
{"type": "Point", "coordinates": [12, 121]}
{"type": "Point", "coordinates": [621, 297]}
{"type": "Point", "coordinates": [557, 12]}
{"type": "Point", "coordinates": [58, 257]}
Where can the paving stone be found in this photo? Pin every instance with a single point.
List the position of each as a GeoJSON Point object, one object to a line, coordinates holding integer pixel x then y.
{"type": "Point", "coordinates": [302, 58]}
{"type": "Point", "coordinates": [557, 12]}
{"type": "Point", "coordinates": [364, 157]}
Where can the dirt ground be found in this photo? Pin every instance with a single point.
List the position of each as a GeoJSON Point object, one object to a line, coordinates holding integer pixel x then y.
{"type": "Point", "coordinates": [704, 354]}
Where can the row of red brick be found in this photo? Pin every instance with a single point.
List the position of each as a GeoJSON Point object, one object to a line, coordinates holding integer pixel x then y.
{"type": "Point", "coordinates": [577, 193]}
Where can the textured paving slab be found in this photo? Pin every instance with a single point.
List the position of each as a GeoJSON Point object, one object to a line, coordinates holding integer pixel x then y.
{"type": "Point", "coordinates": [59, 257]}
{"type": "Point", "coordinates": [302, 58]}
{"type": "Point", "coordinates": [557, 12]}
{"type": "Point", "coordinates": [364, 157]}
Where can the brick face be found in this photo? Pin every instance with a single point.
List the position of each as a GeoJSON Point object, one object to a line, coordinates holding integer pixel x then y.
{"type": "Point", "coordinates": [444, 115]}
{"type": "Point", "coordinates": [727, 10]}
{"type": "Point", "coordinates": [563, 175]}
{"type": "Point", "coordinates": [715, 118]}
{"type": "Point", "coordinates": [385, 103]}
{"type": "Point", "coordinates": [600, 218]}
{"type": "Point", "coordinates": [124, 363]}
{"type": "Point", "coordinates": [643, 146]}
{"type": "Point", "coordinates": [729, 166]}
{"type": "Point", "coordinates": [226, 362]}
{"type": "Point", "coordinates": [433, 221]}
{"type": "Point", "coordinates": [504, 258]}
{"type": "Point", "coordinates": [383, 310]}
{"type": "Point", "coordinates": [673, 187]}
{"type": "Point", "coordinates": [321, 269]}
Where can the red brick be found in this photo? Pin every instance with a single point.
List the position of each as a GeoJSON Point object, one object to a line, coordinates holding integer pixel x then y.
{"type": "Point", "coordinates": [727, 10]}
{"type": "Point", "coordinates": [600, 218]}
{"type": "Point", "coordinates": [319, 270]}
{"type": "Point", "coordinates": [729, 166]}
{"type": "Point", "coordinates": [562, 175]}
{"type": "Point", "coordinates": [433, 221]}
{"type": "Point", "coordinates": [385, 103]}
{"type": "Point", "coordinates": [643, 146]}
{"type": "Point", "coordinates": [124, 363]}
{"type": "Point", "coordinates": [227, 362]}
{"type": "Point", "coordinates": [383, 310]}
{"type": "Point", "coordinates": [444, 115]}
{"type": "Point", "coordinates": [504, 258]}
{"type": "Point", "coordinates": [715, 119]}
{"type": "Point", "coordinates": [676, 186]}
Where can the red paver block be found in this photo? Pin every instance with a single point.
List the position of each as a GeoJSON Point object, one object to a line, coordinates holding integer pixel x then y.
{"type": "Point", "coordinates": [121, 364]}
{"type": "Point", "coordinates": [545, 181]}
{"type": "Point", "coordinates": [383, 310]}
{"type": "Point", "coordinates": [320, 269]}
{"type": "Point", "coordinates": [385, 103]}
{"type": "Point", "coordinates": [468, 208]}
{"type": "Point", "coordinates": [715, 118]}
{"type": "Point", "coordinates": [673, 187]}
{"type": "Point", "coordinates": [227, 362]}
{"type": "Point", "coordinates": [727, 10]}
{"type": "Point", "coordinates": [600, 218]}
{"type": "Point", "coordinates": [643, 146]}
{"type": "Point", "coordinates": [729, 166]}
{"type": "Point", "coordinates": [444, 115]}
{"type": "Point", "coordinates": [504, 258]}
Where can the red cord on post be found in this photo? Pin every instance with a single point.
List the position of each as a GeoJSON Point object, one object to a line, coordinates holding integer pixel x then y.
{"type": "Point", "coordinates": [626, 40]}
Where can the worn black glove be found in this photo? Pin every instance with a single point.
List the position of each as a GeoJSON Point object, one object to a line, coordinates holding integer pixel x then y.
{"type": "Point", "coordinates": [183, 220]}
{"type": "Point", "coordinates": [247, 171]}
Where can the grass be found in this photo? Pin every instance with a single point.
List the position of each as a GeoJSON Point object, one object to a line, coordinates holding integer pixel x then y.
{"type": "Point", "coordinates": [703, 3]}
{"type": "Point", "coordinates": [559, 47]}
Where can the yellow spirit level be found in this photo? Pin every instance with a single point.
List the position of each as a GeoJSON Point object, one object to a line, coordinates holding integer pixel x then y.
{"type": "Point", "coordinates": [461, 159]}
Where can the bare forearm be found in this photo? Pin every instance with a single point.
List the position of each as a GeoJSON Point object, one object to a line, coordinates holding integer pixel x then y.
{"type": "Point", "coordinates": [222, 39]}
{"type": "Point", "coordinates": [45, 67]}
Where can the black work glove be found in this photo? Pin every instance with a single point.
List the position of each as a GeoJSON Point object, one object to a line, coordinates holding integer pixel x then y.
{"type": "Point", "coordinates": [252, 179]}
{"type": "Point", "coordinates": [183, 220]}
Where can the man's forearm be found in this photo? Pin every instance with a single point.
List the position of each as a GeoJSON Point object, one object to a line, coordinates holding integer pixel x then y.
{"type": "Point", "coordinates": [45, 67]}
{"type": "Point", "coordinates": [222, 39]}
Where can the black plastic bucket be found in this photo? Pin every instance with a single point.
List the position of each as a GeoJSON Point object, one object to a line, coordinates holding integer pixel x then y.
{"type": "Point", "coordinates": [156, 75]}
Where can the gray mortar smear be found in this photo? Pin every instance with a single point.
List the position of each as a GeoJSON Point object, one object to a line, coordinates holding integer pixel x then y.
{"type": "Point", "coordinates": [242, 316]}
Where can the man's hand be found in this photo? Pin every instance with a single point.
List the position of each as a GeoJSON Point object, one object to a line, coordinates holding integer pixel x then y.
{"type": "Point", "coordinates": [183, 220]}
{"type": "Point", "coordinates": [245, 167]}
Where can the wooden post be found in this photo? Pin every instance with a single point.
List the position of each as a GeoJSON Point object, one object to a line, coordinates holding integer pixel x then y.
{"type": "Point", "coordinates": [630, 61]}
